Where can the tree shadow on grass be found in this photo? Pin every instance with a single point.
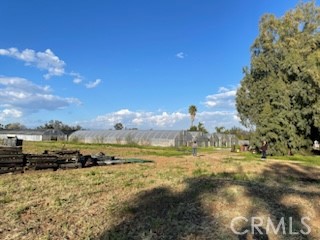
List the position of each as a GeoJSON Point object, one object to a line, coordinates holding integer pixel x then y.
{"type": "Point", "coordinates": [294, 172]}
{"type": "Point", "coordinates": [258, 233]}
{"type": "Point", "coordinates": [292, 182]}
{"type": "Point", "coordinates": [164, 214]}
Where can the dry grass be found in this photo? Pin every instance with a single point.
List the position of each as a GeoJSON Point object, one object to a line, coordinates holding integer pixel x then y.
{"type": "Point", "coordinates": [177, 197]}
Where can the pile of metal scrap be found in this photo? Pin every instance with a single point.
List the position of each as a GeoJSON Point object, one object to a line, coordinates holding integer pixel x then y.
{"type": "Point", "coordinates": [101, 159]}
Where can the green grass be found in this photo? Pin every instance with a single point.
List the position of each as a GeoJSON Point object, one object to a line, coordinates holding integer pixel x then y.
{"type": "Point", "coordinates": [119, 150]}
{"type": "Point", "coordinates": [177, 196]}
{"type": "Point", "coordinates": [313, 160]}
{"type": "Point", "coordinates": [39, 147]}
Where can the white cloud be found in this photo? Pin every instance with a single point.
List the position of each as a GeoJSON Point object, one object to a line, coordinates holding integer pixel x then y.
{"type": "Point", "coordinates": [236, 117]}
{"type": "Point", "coordinates": [77, 80]}
{"type": "Point", "coordinates": [93, 84]}
{"type": "Point", "coordinates": [23, 96]}
{"type": "Point", "coordinates": [146, 120]}
{"type": "Point", "coordinates": [124, 112]}
{"type": "Point", "coordinates": [224, 114]}
{"type": "Point", "coordinates": [10, 113]}
{"type": "Point", "coordinates": [16, 83]}
{"type": "Point", "coordinates": [162, 120]}
{"type": "Point", "coordinates": [181, 55]}
{"type": "Point", "coordinates": [46, 60]}
{"type": "Point", "coordinates": [77, 77]}
{"type": "Point", "coordinates": [225, 98]}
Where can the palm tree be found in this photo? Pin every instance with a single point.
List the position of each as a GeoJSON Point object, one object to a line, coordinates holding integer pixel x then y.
{"type": "Point", "coordinates": [192, 112]}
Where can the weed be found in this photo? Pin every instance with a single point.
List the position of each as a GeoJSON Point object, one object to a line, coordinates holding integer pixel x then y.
{"type": "Point", "coordinates": [5, 199]}
{"type": "Point", "coordinates": [21, 209]}
{"type": "Point", "coordinates": [199, 172]}
{"type": "Point", "coordinates": [92, 173]}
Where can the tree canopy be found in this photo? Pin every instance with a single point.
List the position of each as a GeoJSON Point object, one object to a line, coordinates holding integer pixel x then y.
{"type": "Point", "coordinates": [199, 128]}
{"type": "Point", "coordinates": [56, 124]}
{"type": "Point", "coordinates": [13, 126]}
{"type": "Point", "coordinates": [279, 94]}
{"type": "Point", "coordinates": [118, 126]}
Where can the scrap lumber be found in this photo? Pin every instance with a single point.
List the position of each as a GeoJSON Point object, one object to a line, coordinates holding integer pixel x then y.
{"type": "Point", "coordinates": [11, 159]}
{"type": "Point", "coordinates": [41, 161]}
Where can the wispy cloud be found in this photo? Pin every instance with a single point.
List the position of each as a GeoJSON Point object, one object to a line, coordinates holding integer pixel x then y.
{"type": "Point", "coordinates": [180, 55]}
{"type": "Point", "coordinates": [19, 96]}
{"type": "Point", "coordinates": [46, 60]}
{"type": "Point", "coordinates": [93, 84]}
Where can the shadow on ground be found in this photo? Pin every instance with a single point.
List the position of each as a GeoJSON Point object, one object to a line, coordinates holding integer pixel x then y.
{"type": "Point", "coordinates": [163, 214]}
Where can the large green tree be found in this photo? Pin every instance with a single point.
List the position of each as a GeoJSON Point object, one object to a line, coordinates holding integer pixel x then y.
{"type": "Point", "coordinates": [279, 96]}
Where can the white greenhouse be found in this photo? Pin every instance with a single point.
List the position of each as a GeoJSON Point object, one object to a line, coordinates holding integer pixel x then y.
{"type": "Point", "coordinates": [163, 138]}
{"type": "Point", "coordinates": [223, 140]}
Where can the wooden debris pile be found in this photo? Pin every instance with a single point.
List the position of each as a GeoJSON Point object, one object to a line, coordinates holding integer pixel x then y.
{"type": "Point", "coordinates": [11, 159]}
{"type": "Point", "coordinates": [54, 159]}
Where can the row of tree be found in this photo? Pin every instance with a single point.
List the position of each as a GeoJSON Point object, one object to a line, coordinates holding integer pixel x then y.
{"type": "Point", "coordinates": [52, 124]}
{"type": "Point", "coordinates": [12, 126]}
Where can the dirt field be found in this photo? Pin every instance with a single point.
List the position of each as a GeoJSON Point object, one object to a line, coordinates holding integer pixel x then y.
{"type": "Point", "coordinates": [212, 196]}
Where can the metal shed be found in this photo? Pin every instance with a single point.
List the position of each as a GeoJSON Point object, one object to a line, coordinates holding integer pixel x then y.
{"type": "Point", "coordinates": [164, 138]}
{"type": "Point", "coordinates": [34, 135]}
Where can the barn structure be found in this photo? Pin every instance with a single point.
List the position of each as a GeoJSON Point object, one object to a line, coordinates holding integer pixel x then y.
{"type": "Point", "coordinates": [34, 135]}
{"type": "Point", "coordinates": [163, 138]}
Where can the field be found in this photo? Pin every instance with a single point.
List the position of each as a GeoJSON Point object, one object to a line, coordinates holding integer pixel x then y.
{"type": "Point", "coordinates": [176, 196]}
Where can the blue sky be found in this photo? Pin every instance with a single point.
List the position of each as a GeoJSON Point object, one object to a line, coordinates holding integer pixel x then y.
{"type": "Point", "coordinates": [141, 63]}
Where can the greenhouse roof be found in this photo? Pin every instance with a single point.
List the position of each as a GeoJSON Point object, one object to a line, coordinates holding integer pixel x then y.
{"type": "Point", "coordinates": [120, 134]}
